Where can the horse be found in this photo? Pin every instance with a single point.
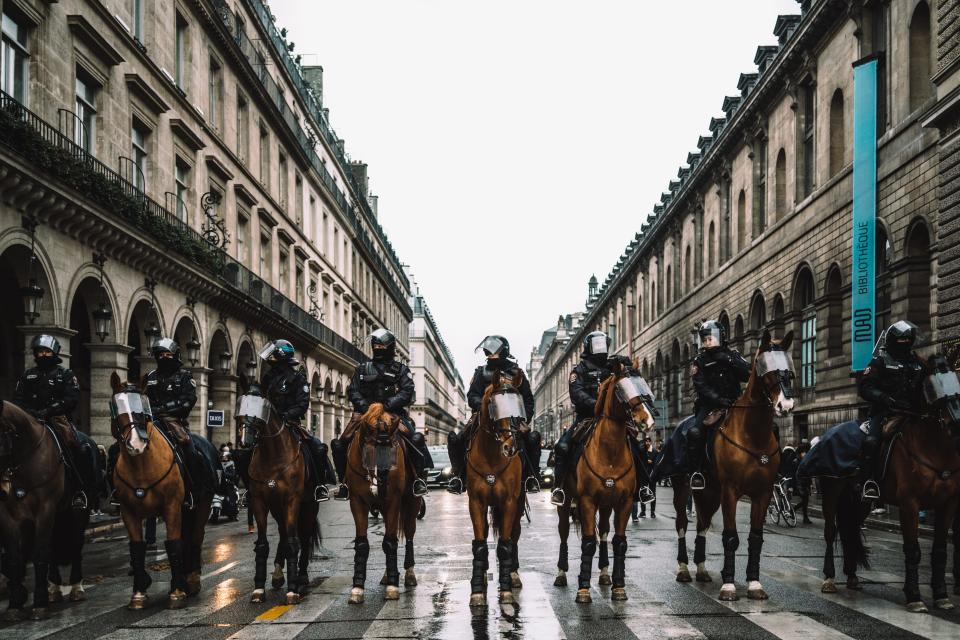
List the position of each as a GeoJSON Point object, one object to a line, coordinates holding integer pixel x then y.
{"type": "Point", "coordinates": [380, 478]}
{"type": "Point", "coordinates": [605, 476]}
{"type": "Point", "coordinates": [279, 480]}
{"type": "Point", "coordinates": [33, 491]}
{"type": "Point", "coordinates": [922, 472]}
{"type": "Point", "coordinates": [495, 486]}
{"type": "Point", "coordinates": [742, 463]}
{"type": "Point", "coordinates": [148, 484]}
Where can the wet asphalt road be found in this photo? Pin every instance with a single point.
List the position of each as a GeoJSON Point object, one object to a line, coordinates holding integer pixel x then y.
{"type": "Point", "coordinates": [658, 606]}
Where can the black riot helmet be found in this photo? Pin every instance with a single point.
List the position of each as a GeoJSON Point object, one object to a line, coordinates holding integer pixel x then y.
{"type": "Point", "coordinates": [384, 345]}
{"type": "Point", "coordinates": [278, 351]}
{"type": "Point", "coordinates": [495, 348]}
{"type": "Point", "coordinates": [712, 328]}
{"type": "Point", "coordinates": [44, 342]}
{"type": "Point", "coordinates": [900, 338]}
{"type": "Point", "coordinates": [166, 345]}
{"type": "Point", "coordinates": [596, 345]}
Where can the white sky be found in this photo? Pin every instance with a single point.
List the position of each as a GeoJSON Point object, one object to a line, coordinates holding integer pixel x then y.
{"type": "Point", "coordinates": [517, 145]}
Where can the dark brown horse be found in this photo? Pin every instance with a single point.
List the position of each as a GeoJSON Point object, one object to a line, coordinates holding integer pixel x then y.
{"type": "Point", "coordinates": [380, 478]}
{"type": "Point", "coordinates": [32, 485]}
{"type": "Point", "coordinates": [149, 484]}
{"type": "Point", "coordinates": [494, 486]}
{"type": "Point", "coordinates": [922, 472]}
{"type": "Point", "coordinates": [279, 486]}
{"type": "Point", "coordinates": [744, 463]}
{"type": "Point", "coordinates": [606, 479]}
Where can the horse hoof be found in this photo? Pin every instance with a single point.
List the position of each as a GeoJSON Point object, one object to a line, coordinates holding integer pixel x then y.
{"type": "Point", "coordinates": [684, 576]}
{"type": "Point", "coordinates": [38, 613]}
{"type": "Point", "coordinates": [257, 596]}
{"type": "Point", "coordinates": [757, 594]}
{"type": "Point", "coordinates": [728, 593]}
{"type": "Point", "coordinates": [703, 576]}
{"type": "Point", "coordinates": [829, 586]}
{"type": "Point", "coordinates": [391, 593]}
{"type": "Point", "coordinates": [917, 607]}
{"type": "Point", "coordinates": [277, 580]}
{"type": "Point", "coordinates": [293, 597]}
{"type": "Point", "coordinates": [583, 596]}
{"type": "Point", "coordinates": [177, 599]}
{"type": "Point", "coordinates": [410, 578]}
{"type": "Point", "coordinates": [478, 599]}
{"type": "Point", "coordinates": [560, 580]}
{"type": "Point", "coordinates": [506, 597]}
{"type": "Point", "coordinates": [54, 594]}
{"type": "Point", "coordinates": [137, 602]}
{"type": "Point", "coordinates": [605, 580]}
{"type": "Point", "coordinates": [619, 594]}
{"type": "Point", "coordinates": [515, 581]}
{"type": "Point", "coordinates": [356, 595]}
{"type": "Point", "coordinates": [14, 615]}
{"type": "Point", "coordinates": [943, 604]}
{"type": "Point", "coordinates": [193, 583]}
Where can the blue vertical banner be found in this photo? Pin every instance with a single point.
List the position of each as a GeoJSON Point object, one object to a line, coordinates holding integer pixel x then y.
{"type": "Point", "coordinates": [863, 276]}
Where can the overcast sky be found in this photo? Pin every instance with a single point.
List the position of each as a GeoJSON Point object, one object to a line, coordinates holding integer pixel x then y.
{"type": "Point", "coordinates": [518, 145]}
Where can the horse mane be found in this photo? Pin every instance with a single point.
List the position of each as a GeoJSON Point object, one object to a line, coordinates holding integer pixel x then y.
{"type": "Point", "coordinates": [599, 406]}
{"type": "Point", "coordinates": [376, 411]}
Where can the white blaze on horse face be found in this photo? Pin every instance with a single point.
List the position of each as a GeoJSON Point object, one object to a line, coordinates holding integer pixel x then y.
{"type": "Point", "coordinates": [135, 444]}
{"type": "Point", "coordinates": [783, 404]}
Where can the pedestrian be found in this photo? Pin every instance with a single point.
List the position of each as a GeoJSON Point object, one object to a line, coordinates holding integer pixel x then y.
{"type": "Point", "coordinates": [803, 485]}
{"type": "Point", "coordinates": [648, 458]}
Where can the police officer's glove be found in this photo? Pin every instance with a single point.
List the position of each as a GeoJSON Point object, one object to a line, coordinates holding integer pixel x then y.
{"type": "Point", "coordinates": [624, 360]}
{"type": "Point", "coordinates": [727, 402]}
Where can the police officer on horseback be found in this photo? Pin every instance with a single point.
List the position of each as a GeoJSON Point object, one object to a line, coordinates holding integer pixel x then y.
{"type": "Point", "coordinates": [389, 382]}
{"type": "Point", "coordinates": [51, 393]}
{"type": "Point", "coordinates": [891, 383]}
{"type": "Point", "coordinates": [716, 373]}
{"type": "Point", "coordinates": [496, 349]}
{"type": "Point", "coordinates": [285, 386]}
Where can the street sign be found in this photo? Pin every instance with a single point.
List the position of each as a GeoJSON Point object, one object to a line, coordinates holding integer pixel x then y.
{"type": "Point", "coordinates": [215, 418]}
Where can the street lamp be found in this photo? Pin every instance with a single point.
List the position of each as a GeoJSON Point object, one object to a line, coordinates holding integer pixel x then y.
{"type": "Point", "coordinates": [193, 350]}
{"type": "Point", "coordinates": [251, 369]}
{"type": "Point", "coordinates": [224, 362]}
{"type": "Point", "coordinates": [152, 334]}
{"type": "Point", "coordinates": [101, 319]}
{"type": "Point", "coordinates": [32, 295]}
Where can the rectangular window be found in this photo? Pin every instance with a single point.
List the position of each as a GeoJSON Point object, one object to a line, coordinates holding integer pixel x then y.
{"type": "Point", "coordinates": [261, 66]}
{"type": "Point", "coordinates": [138, 19]}
{"type": "Point", "coordinates": [266, 255]}
{"type": "Point", "coordinates": [809, 161]}
{"type": "Point", "coordinates": [264, 157]}
{"type": "Point", "coordinates": [808, 349]}
{"type": "Point", "coordinates": [243, 237]}
{"type": "Point", "coordinates": [285, 272]}
{"type": "Point", "coordinates": [298, 200]}
{"type": "Point", "coordinates": [216, 96]}
{"type": "Point", "coordinates": [298, 285]}
{"type": "Point", "coordinates": [243, 129]}
{"type": "Point", "coordinates": [180, 52]}
{"type": "Point", "coordinates": [138, 136]}
{"type": "Point", "coordinates": [182, 188]}
{"type": "Point", "coordinates": [86, 112]}
{"type": "Point", "coordinates": [283, 178]}
{"type": "Point", "coordinates": [13, 58]}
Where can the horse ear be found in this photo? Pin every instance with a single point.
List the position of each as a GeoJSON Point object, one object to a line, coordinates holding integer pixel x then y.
{"type": "Point", "coordinates": [787, 341]}
{"type": "Point", "coordinates": [518, 378]}
{"type": "Point", "coordinates": [115, 382]}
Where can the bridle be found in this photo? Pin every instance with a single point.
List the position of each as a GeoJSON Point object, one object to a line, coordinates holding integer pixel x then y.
{"type": "Point", "coordinates": [783, 382]}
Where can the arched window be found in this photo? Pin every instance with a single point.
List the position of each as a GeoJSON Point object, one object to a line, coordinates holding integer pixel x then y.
{"type": "Point", "coordinates": [834, 291]}
{"type": "Point", "coordinates": [777, 316]}
{"type": "Point", "coordinates": [724, 321]}
{"type": "Point", "coordinates": [918, 275]}
{"type": "Point", "coordinates": [741, 220]}
{"type": "Point", "coordinates": [639, 311]}
{"type": "Point", "coordinates": [803, 297]}
{"type": "Point", "coordinates": [838, 139]}
{"type": "Point", "coordinates": [760, 190]}
{"type": "Point", "coordinates": [687, 270]}
{"type": "Point", "coordinates": [884, 259]}
{"type": "Point", "coordinates": [738, 331]}
{"type": "Point", "coordinates": [921, 54]}
{"type": "Point", "coordinates": [675, 371]}
{"type": "Point", "coordinates": [758, 318]}
{"type": "Point", "coordinates": [781, 185]}
{"type": "Point", "coordinates": [711, 249]}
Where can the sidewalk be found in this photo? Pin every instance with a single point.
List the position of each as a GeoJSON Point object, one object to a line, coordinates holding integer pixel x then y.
{"type": "Point", "coordinates": [888, 521]}
{"type": "Point", "coordinates": [105, 522]}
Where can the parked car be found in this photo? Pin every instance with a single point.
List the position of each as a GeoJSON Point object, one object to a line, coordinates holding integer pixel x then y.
{"type": "Point", "coordinates": [546, 476]}
{"type": "Point", "coordinates": [441, 472]}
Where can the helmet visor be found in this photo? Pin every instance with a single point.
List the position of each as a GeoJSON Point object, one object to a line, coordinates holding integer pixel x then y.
{"type": "Point", "coordinates": [491, 344]}
{"type": "Point", "coordinates": [941, 386]}
{"type": "Point", "coordinates": [773, 361]}
{"type": "Point", "coordinates": [708, 332]}
{"type": "Point", "coordinates": [382, 336]}
{"type": "Point", "coordinates": [506, 405]}
{"type": "Point", "coordinates": [268, 350]}
{"type": "Point", "coordinates": [46, 342]}
{"type": "Point", "coordinates": [597, 344]}
{"type": "Point", "coordinates": [633, 387]}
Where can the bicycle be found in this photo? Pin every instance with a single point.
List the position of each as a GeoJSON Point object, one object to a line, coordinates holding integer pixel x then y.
{"type": "Point", "coordinates": [780, 505]}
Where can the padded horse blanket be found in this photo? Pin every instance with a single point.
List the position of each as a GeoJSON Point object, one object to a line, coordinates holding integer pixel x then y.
{"type": "Point", "coordinates": [836, 454]}
{"type": "Point", "coordinates": [672, 460]}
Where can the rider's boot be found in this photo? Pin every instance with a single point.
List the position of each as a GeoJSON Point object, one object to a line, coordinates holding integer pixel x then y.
{"type": "Point", "coordinates": [339, 450]}
{"type": "Point", "coordinates": [455, 449]}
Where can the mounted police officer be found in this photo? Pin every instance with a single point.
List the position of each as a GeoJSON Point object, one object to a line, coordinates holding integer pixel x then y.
{"type": "Point", "coordinates": [716, 373]}
{"type": "Point", "coordinates": [891, 383]}
{"type": "Point", "coordinates": [496, 349]}
{"type": "Point", "coordinates": [51, 393]}
{"type": "Point", "coordinates": [389, 382]}
{"type": "Point", "coordinates": [285, 385]}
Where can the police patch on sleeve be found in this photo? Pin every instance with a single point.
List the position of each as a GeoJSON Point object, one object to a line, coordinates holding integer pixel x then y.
{"type": "Point", "coordinates": [573, 377]}
{"type": "Point", "coordinates": [306, 388]}
{"type": "Point", "coordinates": [867, 370]}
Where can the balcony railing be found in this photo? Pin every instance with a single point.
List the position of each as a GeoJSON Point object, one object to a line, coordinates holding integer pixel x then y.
{"type": "Point", "coordinates": [36, 141]}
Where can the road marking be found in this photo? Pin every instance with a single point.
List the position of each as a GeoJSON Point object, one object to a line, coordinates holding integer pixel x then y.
{"type": "Point", "coordinates": [650, 618]}
{"type": "Point", "coordinates": [295, 618]}
{"type": "Point", "coordinates": [788, 625]}
{"type": "Point", "coordinates": [273, 613]}
{"type": "Point", "coordinates": [405, 618]}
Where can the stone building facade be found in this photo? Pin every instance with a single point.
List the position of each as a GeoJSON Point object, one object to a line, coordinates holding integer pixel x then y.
{"type": "Point", "coordinates": [756, 229]}
{"type": "Point", "coordinates": [135, 138]}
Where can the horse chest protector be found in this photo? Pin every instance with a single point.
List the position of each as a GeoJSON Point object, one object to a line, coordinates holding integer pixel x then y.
{"type": "Point", "coordinates": [490, 479]}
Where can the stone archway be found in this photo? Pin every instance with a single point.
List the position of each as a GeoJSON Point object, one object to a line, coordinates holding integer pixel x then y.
{"type": "Point", "coordinates": [222, 390]}
{"type": "Point", "coordinates": [143, 328]}
{"type": "Point", "coordinates": [185, 332]}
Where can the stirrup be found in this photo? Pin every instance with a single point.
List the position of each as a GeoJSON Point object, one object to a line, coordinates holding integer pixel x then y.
{"type": "Point", "coordinates": [242, 499]}
{"type": "Point", "coordinates": [419, 487]}
{"type": "Point", "coordinates": [79, 501]}
{"type": "Point", "coordinates": [455, 485]}
{"type": "Point", "coordinates": [188, 502]}
{"type": "Point", "coordinates": [870, 490]}
{"type": "Point", "coordinates": [697, 481]}
{"type": "Point", "coordinates": [113, 499]}
{"type": "Point", "coordinates": [320, 493]}
{"type": "Point", "coordinates": [558, 497]}
{"type": "Point", "coordinates": [531, 485]}
{"type": "Point", "coordinates": [342, 493]}
{"type": "Point", "coordinates": [646, 495]}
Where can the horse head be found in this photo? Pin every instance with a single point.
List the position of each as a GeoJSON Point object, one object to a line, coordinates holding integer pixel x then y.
{"type": "Point", "coordinates": [773, 372]}
{"type": "Point", "coordinates": [632, 399]}
{"type": "Point", "coordinates": [502, 410]}
{"type": "Point", "coordinates": [130, 414]}
{"type": "Point", "coordinates": [254, 413]}
{"type": "Point", "coordinates": [379, 426]}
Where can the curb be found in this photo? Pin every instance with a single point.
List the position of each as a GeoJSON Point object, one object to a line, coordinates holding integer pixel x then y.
{"type": "Point", "coordinates": [879, 524]}
{"type": "Point", "coordinates": [114, 524]}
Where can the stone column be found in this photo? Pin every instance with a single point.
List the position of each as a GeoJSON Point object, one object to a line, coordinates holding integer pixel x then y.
{"type": "Point", "coordinates": [198, 417]}
{"type": "Point", "coordinates": [223, 394]}
{"type": "Point", "coordinates": [698, 244]}
{"type": "Point", "coordinates": [329, 420]}
{"type": "Point", "coordinates": [105, 358]}
{"type": "Point", "coordinates": [63, 336]}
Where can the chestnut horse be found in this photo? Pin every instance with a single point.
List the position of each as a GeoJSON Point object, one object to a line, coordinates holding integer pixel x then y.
{"type": "Point", "coordinates": [380, 478]}
{"type": "Point", "coordinates": [744, 462]}
{"type": "Point", "coordinates": [279, 486]}
{"type": "Point", "coordinates": [606, 480]}
{"type": "Point", "coordinates": [494, 486]}
{"type": "Point", "coordinates": [149, 484]}
{"type": "Point", "coordinates": [922, 472]}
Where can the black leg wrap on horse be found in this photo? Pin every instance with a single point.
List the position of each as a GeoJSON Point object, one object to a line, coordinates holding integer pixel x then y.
{"type": "Point", "coordinates": [731, 542]}
{"type": "Point", "coordinates": [619, 560]}
{"type": "Point", "coordinates": [481, 556]}
{"type": "Point", "coordinates": [138, 560]}
{"type": "Point", "coordinates": [700, 549]}
{"type": "Point", "coordinates": [938, 564]}
{"type": "Point", "coordinates": [682, 557]}
{"type": "Point", "coordinates": [515, 557]}
{"type": "Point", "coordinates": [361, 548]}
{"type": "Point", "coordinates": [754, 545]}
{"type": "Point", "coordinates": [338, 448]}
{"type": "Point", "coordinates": [261, 551]}
{"type": "Point", "coordinates": [505, 563]}
{"type": "Point", "coordinates": [588, 547]}
{"type": "Point", "coordinates": [604, 560]}
{"type": "Point", "coordinates": [292, 556]}
{"type": "Point", "coordinates": [390, 551]}
{"type": "Point", "coordinates": [563, 563]}
{"type": "Point", "coordinates": [911, 582]}
{"type": "Point", "coordinates": [408, 557]}
{"type": "Point", "coordinates": [175, 558]}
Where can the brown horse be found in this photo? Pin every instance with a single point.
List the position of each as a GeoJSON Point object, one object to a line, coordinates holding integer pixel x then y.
{"type": "Point", "coordinates": [278, 485]}
{"type": "Point", "coordinates": [744, 462]}
{"type": "Point", "coordinates": [494, 485]}
{"type": "Point", "coordinates": [380, 478]}
{"type": "Point", "coordinates": [922, 472]}
{"type": "Point", "coordinates": [32, 486]}
{"type": "Point", "coordinates": [606, 479]}
{"type": "Point", "coordinates": [149, 484]}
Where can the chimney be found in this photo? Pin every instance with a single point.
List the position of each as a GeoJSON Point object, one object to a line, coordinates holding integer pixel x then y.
{"type": "Point", "coordinates": [373, 200]}
{"type": "Point", "coordinates": [314, 77]}
{"type": "Point", "coordinates": [359, 172]}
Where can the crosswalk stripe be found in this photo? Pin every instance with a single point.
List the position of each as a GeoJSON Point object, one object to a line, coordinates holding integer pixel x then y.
{"type": "Point", "coordinates": [101, 599]}
{"type": "Point", "coordinates": [651, 618]}
{"type": "Point", "coordinates": [296, 618]}
{"type": "Point", "coordinates": [535, 607]}
{"type": "Point", "coordinates": [788, 625]}
{"type": "Point", "coordinates": [406, 617]}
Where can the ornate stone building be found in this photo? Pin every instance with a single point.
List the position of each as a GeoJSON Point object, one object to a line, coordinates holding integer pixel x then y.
{"type": "Point", "coordinates": [756, 228]}
{"type": "Point", "coordinates": [172, 171]}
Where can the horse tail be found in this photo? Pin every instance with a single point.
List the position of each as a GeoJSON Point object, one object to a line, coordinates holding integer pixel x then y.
{"type": "Point", "coordinates": [850, 517]}
{"type": "Point", "coordinates": [496, 520]}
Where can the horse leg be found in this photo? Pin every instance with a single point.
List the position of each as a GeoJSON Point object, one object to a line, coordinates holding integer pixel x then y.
{"type": "Point", "coordinates": [292, 549]}
{"type": "Point", "coordinates": [77, 593]}
{"type": "Point", "coordinates": [681, 491]}
{"type": "Point", "coordinates": [15, 568]}
{"type": "Point", "coordinates": [54, 582]}
{"type": "Point", "coordinates": [138, 560]}
{"type": "Point", "coordinates": [361, 547]}
{"type": "Point", "coordinates": [409, 531]}
{"type": "Point", "coordinates": [603, 530]}
{"type": "Point", "coordinates": [621, 517]}
{"type": "Point", "coordinates": [830, 496]}
{"type": "Point", "coordinates": [709, 501]}
{"type": "Point", "coordinates": [308, 526]}
{"type": "Point", "coordinates": [174, 547]}
{"type": "Point", "coordinates": [938, 559]}
{"type": "Point", "coordinates": [277, 579]}
{"type": "Point", "coordinates": [588, 547]}
{"type": "Point", "coordinates": [909, 528]}
{"type": "Point", "coordinates": [515, 582]}
{"type": "Point", "coordinates": [505, 551]}
{"type": "Point", "coordinates": [41, 565]}
{"type": "Point", "coordinates": [731, 542]}
{"type": "Point", "coordinates": [563, 528]}
{"type": "Point", "coordinates": [481, 553]}
{"type": "Point", "coordinates": [758, 510]}
{"type": "Point", "coordinates": [261, 550]}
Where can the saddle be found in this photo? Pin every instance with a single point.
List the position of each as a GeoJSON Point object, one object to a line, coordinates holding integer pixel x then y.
{"type": "Point", "coordinates": [582, 430]}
